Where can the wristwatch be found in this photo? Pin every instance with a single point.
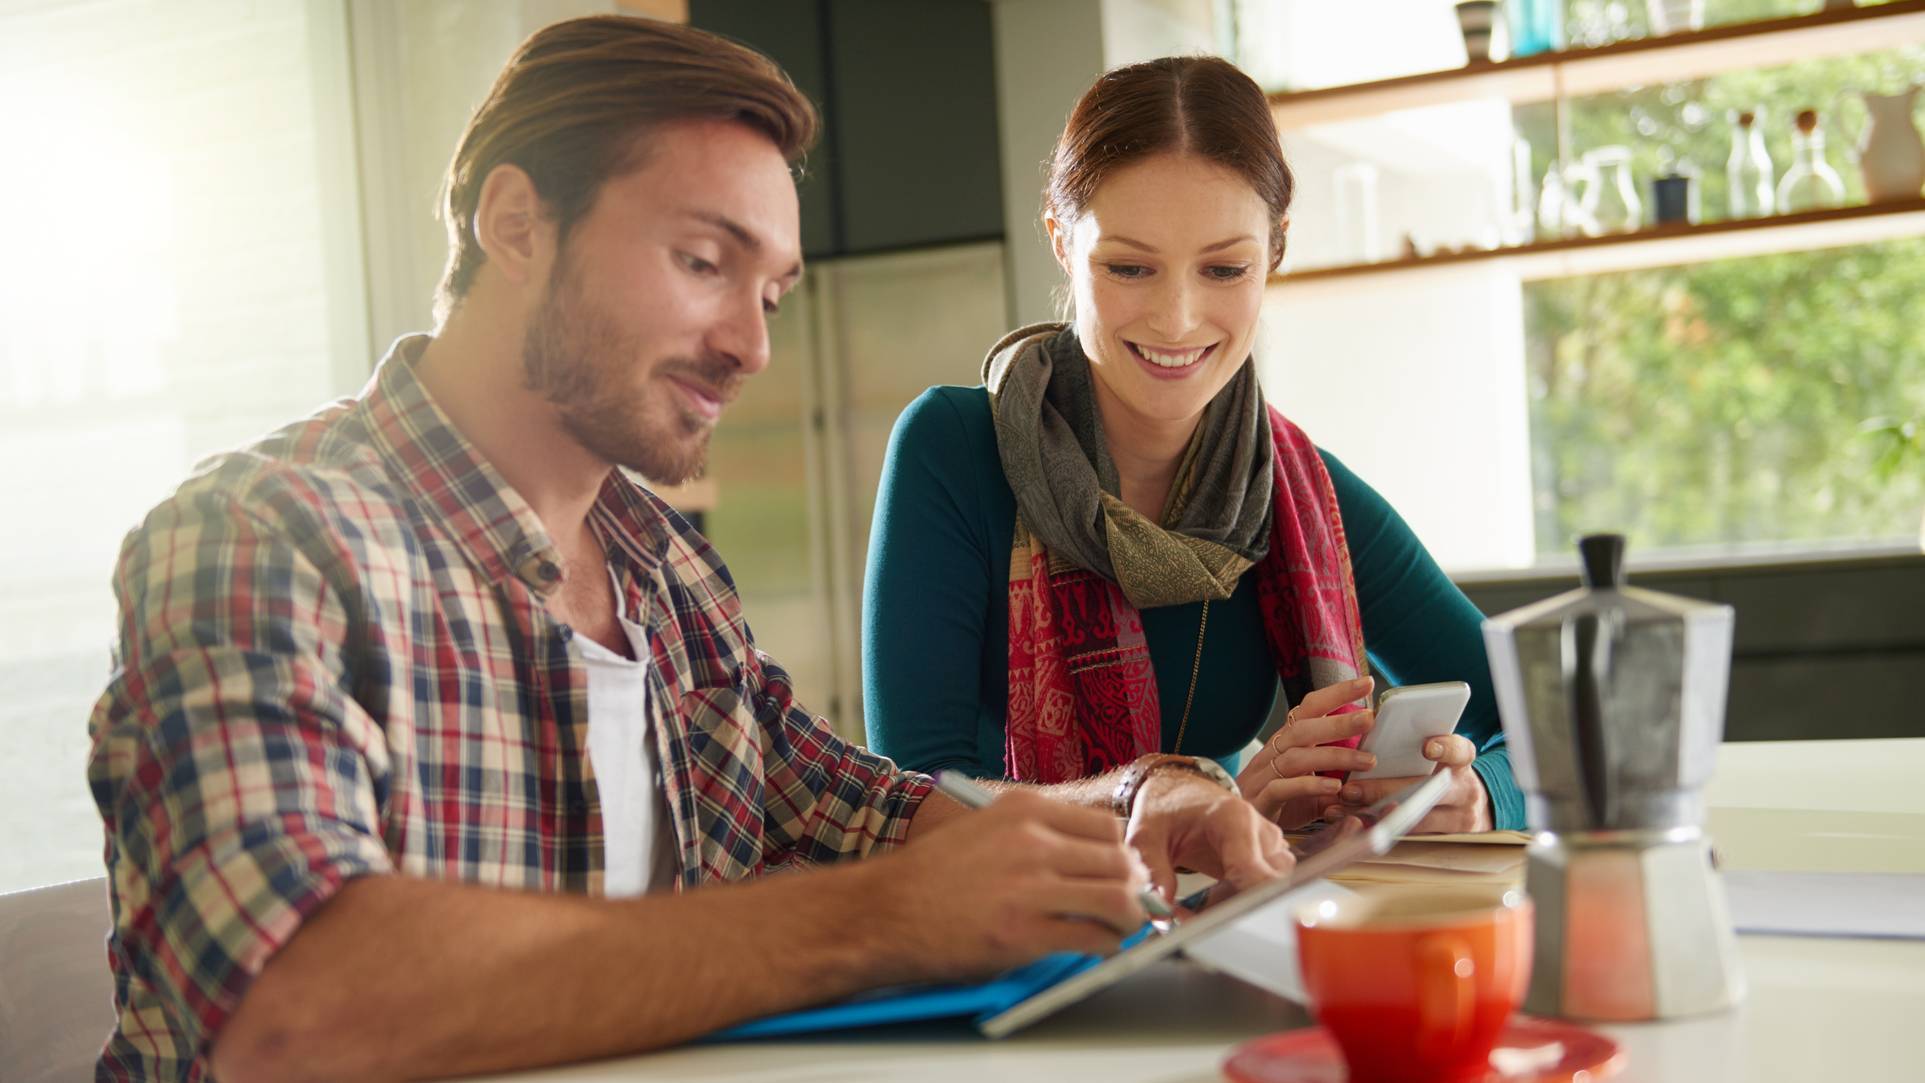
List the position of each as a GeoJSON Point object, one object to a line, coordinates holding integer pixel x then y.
{"type": "Point", "coordinates": [1138, 772]}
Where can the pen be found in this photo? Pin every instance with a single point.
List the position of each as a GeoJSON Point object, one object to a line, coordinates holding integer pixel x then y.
{"type": "Point", "coordinates": [963, 790]}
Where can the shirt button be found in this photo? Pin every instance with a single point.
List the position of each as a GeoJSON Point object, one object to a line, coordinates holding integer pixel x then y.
{"type": "Point", "coordinates": [549, 571]}
{"type": "Point", "coordinates": [567, 633]}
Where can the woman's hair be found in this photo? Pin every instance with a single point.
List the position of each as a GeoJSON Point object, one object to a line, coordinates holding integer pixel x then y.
{"type": "Point", "coordinates": [574, 107]}
{"type": "Point", "coordinates": [1198, 105]}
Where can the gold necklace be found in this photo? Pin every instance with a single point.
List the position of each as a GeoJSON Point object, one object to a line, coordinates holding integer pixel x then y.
{"type": "Point", "coordinates": [1196, 665]}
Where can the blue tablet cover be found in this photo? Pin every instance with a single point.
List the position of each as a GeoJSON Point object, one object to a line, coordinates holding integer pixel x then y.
{"type": "Point", "coordinates": [1317, 856]}
{"type": "Point", "coordinates": [923, 1003]}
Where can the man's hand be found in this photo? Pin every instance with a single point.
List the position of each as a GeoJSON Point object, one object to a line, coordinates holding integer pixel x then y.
{"type": "Point", "coordinates": [1181, 819]}
{"type": "Point", "coordinates": [1466, 805]}
{"type": "Point", "coordinates": [992, 889]}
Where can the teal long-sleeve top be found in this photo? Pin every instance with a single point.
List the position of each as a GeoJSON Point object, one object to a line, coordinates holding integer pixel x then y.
{"type": "Point", "coordinates": [935, 614]}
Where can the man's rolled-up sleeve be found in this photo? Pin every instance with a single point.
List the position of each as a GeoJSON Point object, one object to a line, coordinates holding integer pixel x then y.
{"type": "Point", "coordinates": [237, 780]}
{"type": "Point", "coordinates": [826, 799]}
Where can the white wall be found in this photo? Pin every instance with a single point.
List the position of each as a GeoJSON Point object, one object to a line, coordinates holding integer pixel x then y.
{"type": "Point", "coordinates": [1417, 386]}
{"type": "Point", "coordinates": [1047, 53]}
{"type": "Point", "coordinates": [1415, 380]}
{"type": "Point", "coordinates": [420, 69]}
{"type": "Point", "coordinates": [1139, 30]}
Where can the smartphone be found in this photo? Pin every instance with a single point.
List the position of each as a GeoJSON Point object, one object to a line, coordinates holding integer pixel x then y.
{"type": "Point", "coordinates": [1406, 718]}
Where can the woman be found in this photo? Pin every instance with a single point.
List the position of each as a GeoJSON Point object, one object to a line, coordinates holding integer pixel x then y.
{"type": "Point", "coordinates": [1179, 547]}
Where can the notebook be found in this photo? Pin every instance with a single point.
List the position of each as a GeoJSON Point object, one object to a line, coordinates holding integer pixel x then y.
{"type": "Point", "coordinates": [1017, 998]}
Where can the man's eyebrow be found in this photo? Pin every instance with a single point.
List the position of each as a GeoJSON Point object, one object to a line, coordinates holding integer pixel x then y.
{"type": "Point", "coordinates": [743, 237]}
{"type": "Point", "coordinates": [730, 226]}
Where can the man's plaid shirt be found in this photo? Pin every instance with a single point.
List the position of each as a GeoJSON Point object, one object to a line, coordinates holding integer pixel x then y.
{"type": "Point", "coordinates": [334, 660]}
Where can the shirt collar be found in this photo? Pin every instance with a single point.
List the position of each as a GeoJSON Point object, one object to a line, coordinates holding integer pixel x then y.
{"type": "Point", "coordinates": [487, 518]}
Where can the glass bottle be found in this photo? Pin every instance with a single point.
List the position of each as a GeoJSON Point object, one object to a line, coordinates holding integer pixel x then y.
{"type": "Point", "coordinates": [1810, 183]}
{"type": "Point", "coordinates": [1748, 175]}
{"type": "Point", "coordinates": [1537, 26]}
{"type": "Point", "coordinates": [1613, 201]}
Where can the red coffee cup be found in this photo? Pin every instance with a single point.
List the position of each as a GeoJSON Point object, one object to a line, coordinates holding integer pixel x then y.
{"type": "Point", "coordinates": [1416, 983]}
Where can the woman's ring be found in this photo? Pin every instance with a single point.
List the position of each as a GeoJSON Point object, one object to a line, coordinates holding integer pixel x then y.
{"type": "Point", "coordinates": [1276, 751]}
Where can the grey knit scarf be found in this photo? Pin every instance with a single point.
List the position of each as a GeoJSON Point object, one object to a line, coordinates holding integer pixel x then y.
{"type": "Point", "coordinates": [1050, 437]}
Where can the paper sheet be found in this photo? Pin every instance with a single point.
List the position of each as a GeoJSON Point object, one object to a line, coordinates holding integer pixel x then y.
{"type": "Point", "coordinates": [1261, 947]}
{"type": "Point", "coordinates": [1482, 838]}
{"type": "Point", "coordinates": [1429, 862]}
{"type": "Point", "coordinates": [1489, 860]}
{"type": "Point", "coordinates": [1420, 876]}
{"type": "Point", "coordinates": [1869, 905]}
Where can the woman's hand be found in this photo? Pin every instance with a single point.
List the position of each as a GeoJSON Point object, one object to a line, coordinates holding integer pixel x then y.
{"type": "Point", "coordinates": [1281, 780]}
{"type": "Point", "coordinates": [1466, 805]}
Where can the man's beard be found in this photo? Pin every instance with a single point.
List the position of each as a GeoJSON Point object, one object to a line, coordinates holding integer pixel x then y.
{"type": "Point", "coordinates": [575, 357]}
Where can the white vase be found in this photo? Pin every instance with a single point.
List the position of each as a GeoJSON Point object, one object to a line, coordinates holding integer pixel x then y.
{"type": "Point", "coordinates": [1893, 156]}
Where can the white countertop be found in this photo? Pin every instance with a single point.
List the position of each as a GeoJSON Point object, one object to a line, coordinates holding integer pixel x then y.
{"type": "Point", "coordinates": [1817, 1009]}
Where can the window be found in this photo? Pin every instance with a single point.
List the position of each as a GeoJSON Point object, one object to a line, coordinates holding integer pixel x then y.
{"type": "Point", "coordinates": [1712, 408]}
{"type": "Point", "coordinates": [1741, 406]}
{"type": "Point", "coordinates": [185, 277]}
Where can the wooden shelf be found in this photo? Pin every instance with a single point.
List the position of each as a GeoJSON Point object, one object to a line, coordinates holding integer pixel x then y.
{"type": "Point", "coordinates": [1665, 246]}
{"type": "Point", "coordinates": [1637, 62]}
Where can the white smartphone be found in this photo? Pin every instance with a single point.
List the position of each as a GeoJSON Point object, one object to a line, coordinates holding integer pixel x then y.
{"type": "Point", "coordinates": [1406, 718]}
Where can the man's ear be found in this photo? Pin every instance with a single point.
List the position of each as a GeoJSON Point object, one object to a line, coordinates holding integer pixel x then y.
{"type": "Point", "coordinates": [1058, 239]}
{"type": "Point", "coordinates": [511, 226]}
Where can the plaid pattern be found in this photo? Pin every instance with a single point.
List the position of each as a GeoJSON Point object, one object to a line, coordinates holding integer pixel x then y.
{"type": "Point", "coordinates": [334, 660]}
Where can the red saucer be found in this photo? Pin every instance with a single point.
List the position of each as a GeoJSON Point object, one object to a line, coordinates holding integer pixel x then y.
{"type": "Point", "coordinates": [1523, 1055]}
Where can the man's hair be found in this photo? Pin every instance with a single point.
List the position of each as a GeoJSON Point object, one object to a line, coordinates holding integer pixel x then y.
{"type": "Point", "coordinates": [574, 108]}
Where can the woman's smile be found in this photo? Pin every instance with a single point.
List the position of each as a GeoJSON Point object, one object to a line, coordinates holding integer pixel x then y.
{"type": "Point", "coordinates": [1168, 364]}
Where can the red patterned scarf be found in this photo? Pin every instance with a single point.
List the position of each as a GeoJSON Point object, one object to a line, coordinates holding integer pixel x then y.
{"type": "Point", "coordinates": [1082, 693]}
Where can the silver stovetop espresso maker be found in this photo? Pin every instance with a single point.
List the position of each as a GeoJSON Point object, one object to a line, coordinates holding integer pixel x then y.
{"type": "Point", "coordinates": [1613, 705]}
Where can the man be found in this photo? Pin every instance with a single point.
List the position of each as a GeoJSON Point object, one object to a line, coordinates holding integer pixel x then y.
{"type": "Point", "coordinates": [429, 724]}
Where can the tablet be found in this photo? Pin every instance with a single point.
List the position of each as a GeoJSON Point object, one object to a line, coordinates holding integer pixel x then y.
{"type": "Point", "coordinates": [1368, 832]}
{"type": "Point", "coordinates": [1016, 998]}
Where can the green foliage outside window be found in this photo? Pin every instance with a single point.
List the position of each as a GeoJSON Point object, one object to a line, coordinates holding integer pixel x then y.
{"type": "Point", "coordinates": [1773, 399]}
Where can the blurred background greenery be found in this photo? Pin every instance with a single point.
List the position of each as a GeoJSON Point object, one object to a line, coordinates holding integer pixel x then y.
{"type": "Point", "coordinates": [1777, 399]}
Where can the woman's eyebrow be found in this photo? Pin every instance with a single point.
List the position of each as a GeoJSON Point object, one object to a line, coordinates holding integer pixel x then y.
{"type": "Point", "coordinates": [1217, 247]}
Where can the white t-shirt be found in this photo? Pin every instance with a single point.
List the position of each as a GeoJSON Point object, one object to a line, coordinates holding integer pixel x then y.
{"type": "Point", "coordinates": [638, 838]}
